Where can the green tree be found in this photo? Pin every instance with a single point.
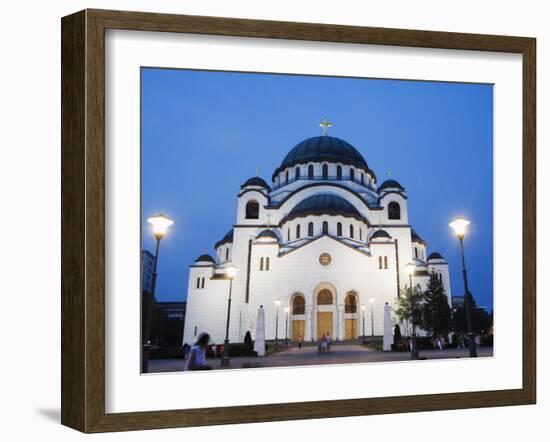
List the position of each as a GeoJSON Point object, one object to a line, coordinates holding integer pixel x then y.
{"type": "Point", "coordinates": [409, 305]}
{"type": "Point", "coordinates": [436, 312]}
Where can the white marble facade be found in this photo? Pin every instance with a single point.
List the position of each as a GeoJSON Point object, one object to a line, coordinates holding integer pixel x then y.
{"type": "Point", "coordinates": [324, 240]}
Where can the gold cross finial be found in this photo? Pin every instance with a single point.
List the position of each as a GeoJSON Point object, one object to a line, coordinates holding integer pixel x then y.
{"type": "Point", "coordinates": [325, 124]}
{"type": "Point", "coordinates": [257, 171]}
{"type": "Point", "coordinates": [389, 173]}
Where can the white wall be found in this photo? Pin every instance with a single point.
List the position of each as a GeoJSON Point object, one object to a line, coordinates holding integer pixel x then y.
{"type": "Point", "coordinates": [29, 179]}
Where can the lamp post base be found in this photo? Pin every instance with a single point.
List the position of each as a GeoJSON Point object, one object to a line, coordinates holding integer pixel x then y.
{"type": "Point", "coordinates": [414, 349]}
{"type": "Point", "coordinates": [225, 357]}
{"type": "Point", "coordinates": [145, 350]}
{"type": "Point", "coordinates": [472, 345]}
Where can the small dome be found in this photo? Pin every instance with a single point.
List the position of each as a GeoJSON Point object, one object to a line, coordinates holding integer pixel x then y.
{"type": "Point", "coordinates": [435, 255]}
{"type": "Point", "coordinates": [323, 148]}
{"type": "Point", "coordinates": [324, 204]}
{"type": "Point", "coordinates": [390, 184]}
{"type": "Point", "coordinates": [256, 181]}
{"type": "Point", "coordinates": [205, 258]}
{"type": "Point", "coordinates": [268, 234]}
{"type": "Point", "coordinates": [416, 238]}
{"type": "Point", "coordinates": [380, 234]}
{"type": "Point", "coordinates": [228, 238]}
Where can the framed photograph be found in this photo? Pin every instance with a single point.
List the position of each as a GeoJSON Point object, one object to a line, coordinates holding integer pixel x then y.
{"type": "Point", "coordinates": [267, 221]}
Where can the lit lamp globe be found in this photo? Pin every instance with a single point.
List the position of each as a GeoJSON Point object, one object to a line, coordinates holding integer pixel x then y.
{"type": "Point", "coordinates": [160, 225]}
{"type": "Point", "coordinates": [371, 300]}
{"type": "Point", "coordinates": [459, 226]}
{"type": "Point", "coordinates": [231, 271]}
{"type": "Point", "coordinates": [277, 303]}
{"type": "Point", "coordinates": [363, 307]}
{"type": "Point", "coordinates": [287, 309]}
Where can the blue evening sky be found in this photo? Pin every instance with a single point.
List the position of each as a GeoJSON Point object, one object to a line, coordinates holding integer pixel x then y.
{"type": "Point", "coordinates": [204, 134]}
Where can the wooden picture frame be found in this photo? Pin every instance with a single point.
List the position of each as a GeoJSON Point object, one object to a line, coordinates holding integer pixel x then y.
{"type": "Point", "coordinates": [83, 220]}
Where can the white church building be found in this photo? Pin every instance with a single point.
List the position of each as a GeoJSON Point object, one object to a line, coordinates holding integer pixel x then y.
{"type": "Point", "coordinates": [318, 249]}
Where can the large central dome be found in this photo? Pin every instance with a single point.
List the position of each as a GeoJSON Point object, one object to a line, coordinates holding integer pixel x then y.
{"type": "Point", "coordinates": [323, 148]}
{"type": "Point", "coordinates": [324, 204]}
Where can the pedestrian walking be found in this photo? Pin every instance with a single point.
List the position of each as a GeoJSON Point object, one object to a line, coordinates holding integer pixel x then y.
{"type": "Point", "coordinates": [197, 356]}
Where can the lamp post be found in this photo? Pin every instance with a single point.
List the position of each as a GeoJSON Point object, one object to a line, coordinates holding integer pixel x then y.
{"type": "Point", "coordinates": [287, 312]}
{"type": "Point", "coordinates": [372, 321]}
{"type": "Point", "coordinates": [363, 308]}
{"type": "Point", "coordinates": [277, 303]}
{"type": "Point", "coordinates": [160, 224]}
{"type": "Point", "coordinates": [414, 349]}
{"type": "Point", "coordinates": [231, 272]}
{"type": "Point", "coordinates": [459, 226]}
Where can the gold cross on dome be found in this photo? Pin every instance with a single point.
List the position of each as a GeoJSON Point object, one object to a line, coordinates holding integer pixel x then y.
{"type": "Point", "coordinates": [257, 171]}
{"type": "Point", "coordinates": [325, 124]}
{"type": "Point", "coordinates": [389, 173]}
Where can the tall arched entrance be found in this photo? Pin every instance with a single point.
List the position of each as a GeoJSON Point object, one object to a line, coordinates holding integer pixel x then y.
{"type": "Point", "coordinates": [350, 316]}
{"type": "Point", "coordinates": [325, 300]}
{"type": "Point", "coordinates": [298, 321]}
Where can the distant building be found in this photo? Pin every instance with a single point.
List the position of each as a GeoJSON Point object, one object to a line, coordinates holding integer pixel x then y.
{"type": "Point", "coordinates": [147, 263]}
{"type": "Point", "coordinates": [457, 302]}
{"type": "Point", "coordinates": [174, 310]}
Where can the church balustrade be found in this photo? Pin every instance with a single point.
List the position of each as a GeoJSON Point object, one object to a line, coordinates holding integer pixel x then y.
{"type": "Point", "coordinates": [320, 178]}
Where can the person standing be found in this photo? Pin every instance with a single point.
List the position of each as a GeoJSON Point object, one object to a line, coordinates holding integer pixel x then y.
{"type": "Point", "coordinates": [197, 356]}
{"type": "Point", "coordinates": [329, 341]}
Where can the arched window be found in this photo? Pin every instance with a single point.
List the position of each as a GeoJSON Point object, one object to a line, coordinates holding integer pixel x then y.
{"type": "Point", "coordinates": [310, 171]}
{"type": "Point", "coordinates": [360, 234]}
{"type": "Point", "coordinates": [324, 297]}
{"type": "Point", "coordinates": [338, 172]}
{"type": "Point", "coordinates": [286, 177]}
{"type": "Point", "coordinates": [261, 264]}
{"type": "Point", "coordinates": [297, 173]}
{"type": "Point", "coordinates": [339, 229]}
{"type": "Point", "coordinates": [310, 229]}
{"type": "Point", "coordinates": [298, 305]}
{"type": "Point", "coordinates": [298, 231]}
{"type": "Point", "coordinates": [350, 304]}
{"type": "Point", "coordinates": [394, 210]}
{"type": "Point", "coordinates": [362, 179]}
{"type": "Point", "coordinates": [325, 171]}
{"type": "Point", "coordinates": [385, 262]}
{"type": "Point", "coordinates": [352, 174]}
{"type": "Point", "coordinates": [288, 234]}
{"type": "Point", "coordinates": [227, 254]}
{"type": "Point", "coordinates": [416, 253]}
{"type": "Point", "coordinates": [380, 262]}
{"type": "Point", "coordinates": [252, 210]}
{"type": "Point", "coordinates": [325, 228]}
{"type": "Point", "coordinates": [351, 230]}
{"type": "Point", "coordinates": [267, 263]}
{"type": "Point", "coordinates": [198, 283]}
{"type": "Point", "coordinates": [202, 283]}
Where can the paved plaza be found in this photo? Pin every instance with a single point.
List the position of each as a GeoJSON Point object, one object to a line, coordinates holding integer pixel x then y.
{"type": "Point", "coordinates": [308, 355]}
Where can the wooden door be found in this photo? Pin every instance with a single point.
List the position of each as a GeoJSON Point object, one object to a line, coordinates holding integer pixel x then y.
{"type": "Point", "coordinates": [351, 328]}
{"type": "Point", "coordinates": [324, 323]}
{"type": "Point", "coordinates": [298, 326]}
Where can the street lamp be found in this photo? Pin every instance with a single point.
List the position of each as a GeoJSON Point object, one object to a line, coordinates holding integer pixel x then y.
{"type": "Point", "coordinates": [160, 224]}
{"type": "Point", "coordinates": [231, 272]}
{"type": "Point", "coordinates": [372, 321]}
{"type": "Point", "coordinates": [277, 303]}
{"type": "Point", "coordinates": [410, 271]}
{"type": "Point", "coordinates": [287, 312]}
{"type": "Point", "coordinates": [363, 308]}
{"type": "Point", "coordinates": [459, 226]}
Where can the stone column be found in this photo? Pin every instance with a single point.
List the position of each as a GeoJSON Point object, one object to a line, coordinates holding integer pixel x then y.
{"type": "Point", "coordinates": [340, 313]}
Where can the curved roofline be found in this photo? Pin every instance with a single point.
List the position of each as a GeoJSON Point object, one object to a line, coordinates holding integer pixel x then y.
{"type": "Point", "coordinates": [308, 186]}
